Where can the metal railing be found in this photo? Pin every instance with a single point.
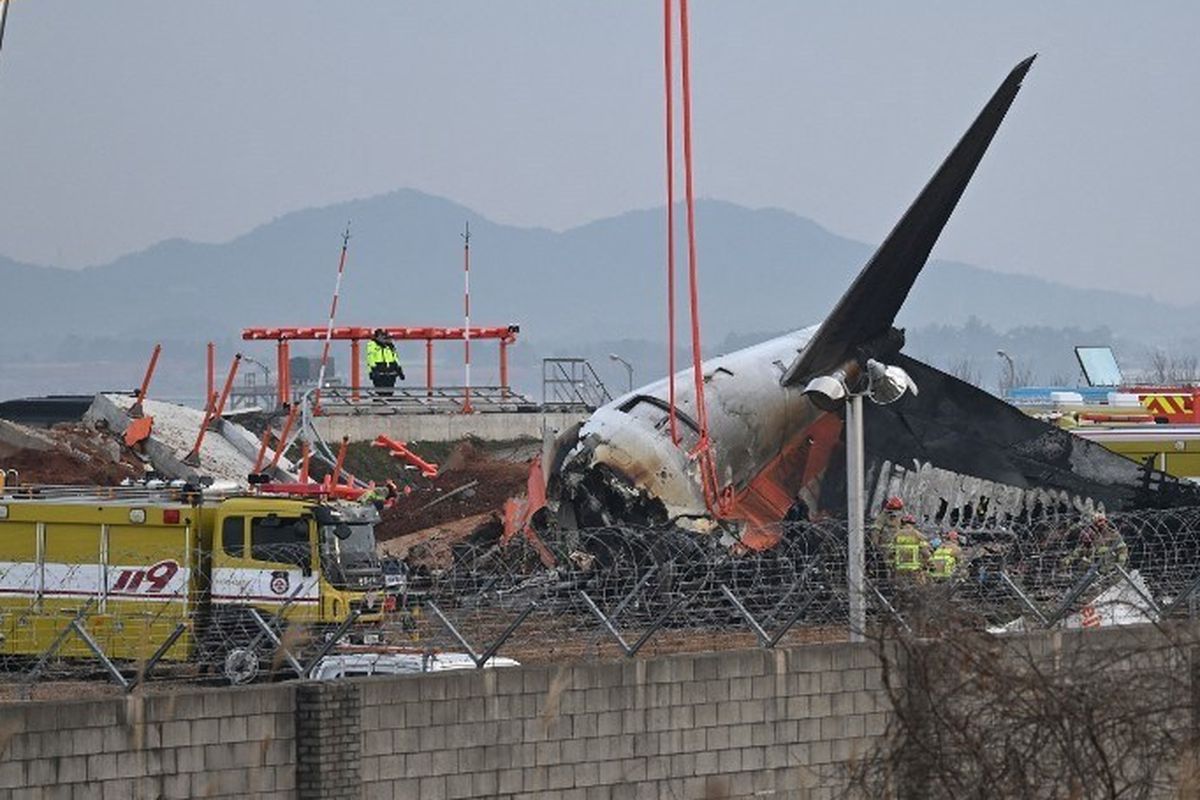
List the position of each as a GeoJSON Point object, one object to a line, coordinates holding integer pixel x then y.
{"type": "Point", "coordinates": [572, 384]}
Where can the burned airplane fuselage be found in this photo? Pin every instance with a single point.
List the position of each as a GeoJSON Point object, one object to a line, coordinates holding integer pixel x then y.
{"type": "Point", "coordinates": [626, 468]}
{"type": "Point", "coordinates": [772, 444]}
{"type": "Point", "coordinates": [769, 441]}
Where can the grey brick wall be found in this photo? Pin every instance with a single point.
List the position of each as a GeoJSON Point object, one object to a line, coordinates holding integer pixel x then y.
{"type": "Point", "coordinates": [328, 741]}
{"type": "Point", "coordinates": [739, 724]}
{"type": "Point", "coordinates": [762, 724]}
{"type": "Point", "coordinates": [202, 743]}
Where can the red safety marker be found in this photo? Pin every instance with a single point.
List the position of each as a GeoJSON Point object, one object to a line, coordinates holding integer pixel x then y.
{"type": "Point", "coordinates": [136, 411]}
{"type": "Point", "coordinates": [337, 289]}
{"type": "Point", "coordinates": [400, 451]}
{"type": "Point", "coordinates": [192, 459]}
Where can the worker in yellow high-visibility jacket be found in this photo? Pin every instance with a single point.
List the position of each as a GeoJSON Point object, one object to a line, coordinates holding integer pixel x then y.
{"type": "Point", "coordinates": [382, 364]}
{"type": "Point", "coordinates": [910, 550]}
{"type": "Point", "coordinates": [946, 557]}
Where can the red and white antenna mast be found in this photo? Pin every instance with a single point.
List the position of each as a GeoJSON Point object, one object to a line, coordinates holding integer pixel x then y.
{"type": "Point", "coordinates": [467, 319]}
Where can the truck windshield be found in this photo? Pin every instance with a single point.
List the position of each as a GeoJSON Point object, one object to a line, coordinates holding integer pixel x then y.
{"type": "Point", "coordinates": [344, 539]}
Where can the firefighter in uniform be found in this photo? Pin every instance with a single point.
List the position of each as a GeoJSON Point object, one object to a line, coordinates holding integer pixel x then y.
{"type": "Point", "coordinates": [883, 531]}
{"type": "Point", "coordinates": [910, 551]}
{"type": "Point", "coordinates": [947, 555]}
{"type": "Point", "coordinates": [1100, 544]}
{"type": "Point", "coordinates": [382, 364]}
{"type": "Point", "coordinates": [887, 523]}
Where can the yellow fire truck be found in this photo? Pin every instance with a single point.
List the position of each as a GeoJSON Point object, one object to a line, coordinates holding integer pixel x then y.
{"type": "Point", "coordinates": [132, 565]}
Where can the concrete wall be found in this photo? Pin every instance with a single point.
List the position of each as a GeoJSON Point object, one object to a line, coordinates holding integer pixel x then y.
{"type": "Point", "coordinates": [728, 725]}
{"type": "Point", "coordinates": [443, 427]}
{"type": "Point", "coordinates": [738, 724]}
{"type": "Point", "coordinates": [227, 743]}
{"type": "Point", "coordinates": [732, 724]}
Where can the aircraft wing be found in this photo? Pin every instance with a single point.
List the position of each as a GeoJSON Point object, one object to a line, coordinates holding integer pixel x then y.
{"type": "Point", "coordinates": [868, 309]}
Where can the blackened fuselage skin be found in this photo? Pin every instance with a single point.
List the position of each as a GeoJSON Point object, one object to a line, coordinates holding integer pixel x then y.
{"type": "Point", "coordinates": [626, 469]}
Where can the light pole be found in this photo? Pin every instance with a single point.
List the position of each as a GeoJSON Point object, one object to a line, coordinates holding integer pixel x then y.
{"type": "Point", "coordinates": [883, 384]}
{"type": "Point", "coordinates": [628, 368]}
{"type": "Point", "coordinates": [1012, 372]}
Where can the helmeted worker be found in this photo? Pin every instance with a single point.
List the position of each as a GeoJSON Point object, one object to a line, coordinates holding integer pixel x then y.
{"type": "Point", "coordinates": [1100, 544]}
{"type": "Point", "coordinates": [910, 549]}
{"type": "Point", "coordinates": [946, 556]}
{"type": "Point", "coordinates": [382, 364]}
{"type": "Point", "coordinates": [887, 523]}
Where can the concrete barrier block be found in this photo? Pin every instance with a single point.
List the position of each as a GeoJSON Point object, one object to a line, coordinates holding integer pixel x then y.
{"type": "Point", "coordinates": [444, 762]}
{"type": "Point", "coordinates": [820, 752]}
{"type": "Point", "coordinates": [610, 772]}
{"type": "Point", "coordinates": [715, 690]}
{"type": "Point", "coordinates": [705, 714]}
{"type": "Point", "coordinates": [445, 712]}
{"type": "Point", "coordinates": [584, 726]}
{"type": "Point", "coordinates": [706, 667]}
{"type": "Point", "coordinates": [585, 774]}
{"type": "Point", "coordinates": [537, 779]}
{"type": "Point", "coordinates": [798, 708]}
{"type": "Point", "coordinates": [417, 715]}
{"type": "Point", "coordinates": [419, 764]}
{"type": "Point", "coordinates": [432, 738]}
{"type": "Point", "coordinates": [217, 704]}
{"type": "Point", "coordinates": [741, 688]}
{"type": "Point", "coordinates": [379, 791]}
{"type": "Point", "coordinates": [561, 777]}
{"type": "Point", "coordinates": [510, 781]}
{"type": "Point", "coordinates": [205, 731]}
{"type": "Point", "coordinates": [691, 740]}
{"type": "Point", "coordinates": [707, 763]}
{"type": "Point", "coordinates": [204, 784]}
{"type": "Point", "coordinates": [608, 723]}
{"type": "Point", "coordinates": [406, 740]}
{"type": "Point", "coordinates": [820, 705]}
{"type": "Point", "coordinates": [102, 767]}
{"type": "Point", "coordinates": [645, 744]}
{"type": "Point", "coordinates": [459, 786]}
{"type": "Point", "coordinates": [234, 729]}
{"type": "Point", "coordinates": [391, 767]}
{"type": "Point", "coordinates": [546, 753]}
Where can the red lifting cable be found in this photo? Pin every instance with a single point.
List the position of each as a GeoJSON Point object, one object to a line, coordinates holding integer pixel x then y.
{"type": "Point", "coordinates": [703, 450]}
{"type": "Point", "coordinates": [668, 72]}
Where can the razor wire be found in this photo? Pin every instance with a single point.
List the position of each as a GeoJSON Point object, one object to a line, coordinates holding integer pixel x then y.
{"type": "Point", "coordinates": [627, 590]}
{"type": "Point", "coordinates": [613, 592]}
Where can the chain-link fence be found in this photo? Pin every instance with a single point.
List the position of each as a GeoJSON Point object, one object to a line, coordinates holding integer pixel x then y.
{"type": "Point", "coordinates": [609, 593]}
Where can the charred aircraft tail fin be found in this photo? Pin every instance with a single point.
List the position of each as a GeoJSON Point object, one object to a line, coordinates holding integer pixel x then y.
{"type": "Point", "coordinates": [868, 309]}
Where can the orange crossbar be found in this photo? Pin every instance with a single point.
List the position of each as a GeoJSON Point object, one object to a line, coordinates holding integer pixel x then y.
{"type": "Point", "coordinates": [506, 333]}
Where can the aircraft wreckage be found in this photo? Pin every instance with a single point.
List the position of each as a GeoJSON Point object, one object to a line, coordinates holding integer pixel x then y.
{"type": "Point", "coordinates": [775, 417]}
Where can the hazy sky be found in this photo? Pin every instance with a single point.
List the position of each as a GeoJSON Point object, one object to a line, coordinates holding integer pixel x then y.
{"type": "Point", "coordinates": [126, 122]}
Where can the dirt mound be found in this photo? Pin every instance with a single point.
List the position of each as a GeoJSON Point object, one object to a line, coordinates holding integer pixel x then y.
{"type": "Point", "coordinates": [468, 484]}
{"type": "Point", "coordinates": [73, 454]}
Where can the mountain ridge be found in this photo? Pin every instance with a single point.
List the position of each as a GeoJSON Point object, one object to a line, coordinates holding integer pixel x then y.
{"type": "Point", "coordinates": [593, 281]}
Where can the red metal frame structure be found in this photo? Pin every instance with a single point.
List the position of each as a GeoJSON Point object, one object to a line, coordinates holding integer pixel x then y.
{"type": "Point", "coordinates": [505, 335]}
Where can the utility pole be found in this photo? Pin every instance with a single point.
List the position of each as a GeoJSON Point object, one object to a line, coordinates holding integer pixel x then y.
{"type": "Point", "coordinates": [627, 365]}
{"type": "Point", "coordinates": [1012, 373]}
{"type": "Point", "coordinates": [856, 554]}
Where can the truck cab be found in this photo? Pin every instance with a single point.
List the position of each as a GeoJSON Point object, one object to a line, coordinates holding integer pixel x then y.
{"type": "Point", "coordinates": [311, 562]}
